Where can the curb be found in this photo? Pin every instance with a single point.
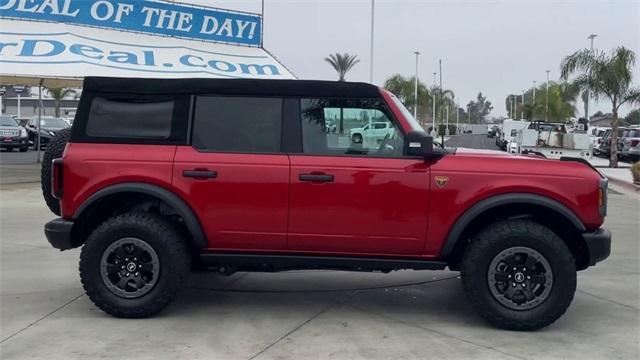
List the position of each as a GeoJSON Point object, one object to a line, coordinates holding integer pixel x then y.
{"type": "Point", "coordinates": [624, 184]}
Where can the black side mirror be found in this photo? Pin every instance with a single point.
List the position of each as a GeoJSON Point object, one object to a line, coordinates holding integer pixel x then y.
{"type": "Point", "coordinates": [419, 144]}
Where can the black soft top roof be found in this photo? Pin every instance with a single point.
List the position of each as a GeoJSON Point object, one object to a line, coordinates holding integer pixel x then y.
{"type": "Point", "coordinates": [230, 86]}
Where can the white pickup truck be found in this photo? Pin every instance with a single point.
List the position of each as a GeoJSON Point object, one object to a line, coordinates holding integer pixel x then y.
{"type": "Point", "coordinates": [553, 141]}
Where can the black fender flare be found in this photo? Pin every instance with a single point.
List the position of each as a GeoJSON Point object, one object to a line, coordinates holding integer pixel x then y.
{"type": "Point", "coordinates": [498, 200]}
{"type": "Point", "coordinates": [190, 220]}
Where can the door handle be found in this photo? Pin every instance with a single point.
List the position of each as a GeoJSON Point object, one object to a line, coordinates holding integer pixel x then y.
{"type": "Point", "coordinates": [200, 174]}
{"type": "Point", "coordinates": [316, 177]}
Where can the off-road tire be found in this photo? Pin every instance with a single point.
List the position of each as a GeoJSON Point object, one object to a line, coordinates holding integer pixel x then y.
{"type": "Point", "coordinates": [500, 236]}
{"type": "Point", "coordinates": [166, 241]}
{"type": "Point", "coordinates": [55, 148]}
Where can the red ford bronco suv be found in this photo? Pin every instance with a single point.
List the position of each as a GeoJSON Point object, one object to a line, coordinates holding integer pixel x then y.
{"type": "Point", "coordinates": [158, 176]}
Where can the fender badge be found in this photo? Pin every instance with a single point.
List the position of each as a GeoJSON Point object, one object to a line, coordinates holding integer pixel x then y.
{"type": "Point", "coordinates": [441, 181]}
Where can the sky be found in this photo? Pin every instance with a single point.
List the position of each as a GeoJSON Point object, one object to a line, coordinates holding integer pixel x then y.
{"type": "Point", "coordinates": [497, 47]}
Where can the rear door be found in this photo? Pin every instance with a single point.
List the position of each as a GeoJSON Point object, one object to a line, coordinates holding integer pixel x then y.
{"type": "Point", "coordinates": [234, 175]}
{"type": "Point", "coordinates": [347, 197]}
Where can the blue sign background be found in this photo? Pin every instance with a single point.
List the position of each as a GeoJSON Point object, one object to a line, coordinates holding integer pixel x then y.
{"type": "Point", "coordinates": [144, 16]}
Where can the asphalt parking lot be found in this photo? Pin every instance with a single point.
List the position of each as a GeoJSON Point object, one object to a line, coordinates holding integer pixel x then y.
{"type": "Point", "coordinates": [44, 313]}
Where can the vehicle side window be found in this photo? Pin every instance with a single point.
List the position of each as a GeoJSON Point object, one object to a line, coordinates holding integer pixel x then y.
{"type": "Point", "coordinates": [118, 118]}
{"type": "Point", "coordinates": [237, 124]}
{"type": "Point", "coordinates": [360, 127]}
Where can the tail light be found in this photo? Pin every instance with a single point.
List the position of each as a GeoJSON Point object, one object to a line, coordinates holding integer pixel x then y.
{"type": "Point", "coordinates": [635, 142]}
{"type": "Point", "coordinates": [602, 196]}
{"type": "Point", "coordinates": [56, 178]}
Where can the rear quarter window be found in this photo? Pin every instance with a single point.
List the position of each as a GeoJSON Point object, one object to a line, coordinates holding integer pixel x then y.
{"type": "Point", "coordinates": [130, 118]}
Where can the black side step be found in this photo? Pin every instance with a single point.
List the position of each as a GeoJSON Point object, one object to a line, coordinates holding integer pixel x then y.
{"type": "Point", "coordinates": [270, 263]}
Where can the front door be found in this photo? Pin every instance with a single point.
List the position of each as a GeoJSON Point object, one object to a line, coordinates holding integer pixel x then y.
{"type": "Point", "coordinates": [349, 197]}
{"type": "Point", "coordinates": [234, 176]}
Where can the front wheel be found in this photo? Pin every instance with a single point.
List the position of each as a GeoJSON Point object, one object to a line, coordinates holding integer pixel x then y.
{"type": "Point", "coordinates": [519, 275]}
{"type": "Point", "coordinates": [133, 265]}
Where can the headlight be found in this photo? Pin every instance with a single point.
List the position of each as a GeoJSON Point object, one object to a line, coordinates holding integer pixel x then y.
{"type": "Point", "coordinates": [51, 133]}
{"type": "Point", "coordinates": [23, 132]}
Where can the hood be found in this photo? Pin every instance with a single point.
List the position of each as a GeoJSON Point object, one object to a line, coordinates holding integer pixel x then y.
{"type": "Point", "coordinates": [2, 127]}
{"type": "Point", "coordinates": [54, 129]}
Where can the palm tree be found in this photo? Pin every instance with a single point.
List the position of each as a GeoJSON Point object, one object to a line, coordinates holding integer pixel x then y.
{"type": "Point", "coordinates": [404, 89]}
{"type": "Point", "coordinates": [342, 63]}
{"type": "Point", "coordinates": [606, 76]}
{"type": "Point", "coordinates": [58, 94]}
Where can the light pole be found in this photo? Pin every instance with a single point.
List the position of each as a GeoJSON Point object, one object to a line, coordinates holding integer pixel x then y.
{"type": "Point", "coordinates": [457, 119]}
{"type": "Point", "coordinates": [373, 5]}
{"type": "Point", "coordinates": [19, 90]}
{"type": "Point", "coordinates": [3, 91]}
{"type": "Point", "coordinates": [522, 109]}
{"type": "Point", "coordinates": [415, 90]}
{"type": "Point", "coordinates": [586, 106]}
{"type": "Point", "coordinates": [534, 92]}
{"type": "Point", "coordinates": [433, 97]}
{"type": "Point", "coordinates": [546, 101]}
{"type": "Point", "coordinates": [446, 127]}
{"type": "Point", "coordinates": [440, 73]}
{"type": "Point", "coordinates": [533, 101]}
{"type": "Point", "coordinates": [469, 115]}
{"type": "Point", "coordinates": [513, 108]}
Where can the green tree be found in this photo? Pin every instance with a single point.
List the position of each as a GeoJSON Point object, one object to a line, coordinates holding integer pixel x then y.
{"type": "Point", "coordinates": [58, 94]}
{"type": "Point", "coordinates": [342, 63]}
{"type": "Point", "coordinates": [633, 118]}
{"type": "Point", "coordinates": [479, 108]}
{"type": "Point", "coordinates": [404, 89]}
{"type": "Point", "coordinates": [561, 98]}
{"type": "Point", "coordinates": [608, 76]}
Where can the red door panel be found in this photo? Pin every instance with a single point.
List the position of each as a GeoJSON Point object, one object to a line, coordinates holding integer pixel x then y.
{"type": "Point", "coordinates": [358, 205]}
{"type": "Point", "coordinates": [241, 199]}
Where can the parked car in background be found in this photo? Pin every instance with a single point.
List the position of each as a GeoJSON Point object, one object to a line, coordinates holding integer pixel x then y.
{"type": "Point", "coordinates": [491, 130]}
{"type": "Point", "coordinates": [630, 145]}
{"type": "Point", "coordinates": [375, 131]}
{"type": "Point", "coordinates": [49, 126]}
{"type": "Point", "coordinates": [330, 127]}
{"type": "Point", "coordinates": [595, 135]}
{"type": "Point", "coordinates": [605, 146]}
{"type": "Point", "coordinates": [12, 135]}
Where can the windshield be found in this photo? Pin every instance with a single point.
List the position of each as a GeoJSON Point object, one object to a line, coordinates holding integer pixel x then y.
{"type": "Point", "coordinates": [7, 121]}
{"type": "Point", "coordinates": [52, 122]}
{"type": "Point", "coordinates": [412, 121]}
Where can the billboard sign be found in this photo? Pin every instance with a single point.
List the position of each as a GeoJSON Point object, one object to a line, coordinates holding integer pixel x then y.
{"type": "Point", "coordinates": [144, 16]}
{"type": "Point", "coordinates": [59, 50]}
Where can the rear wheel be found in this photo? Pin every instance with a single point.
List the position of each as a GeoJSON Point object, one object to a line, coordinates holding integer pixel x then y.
{"type": "Point", "coordinates": [133, 265]}
{"type": "Point", "coordinates": [519, 275]}
{"type": "Point", "coordinates": [357, 138]}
